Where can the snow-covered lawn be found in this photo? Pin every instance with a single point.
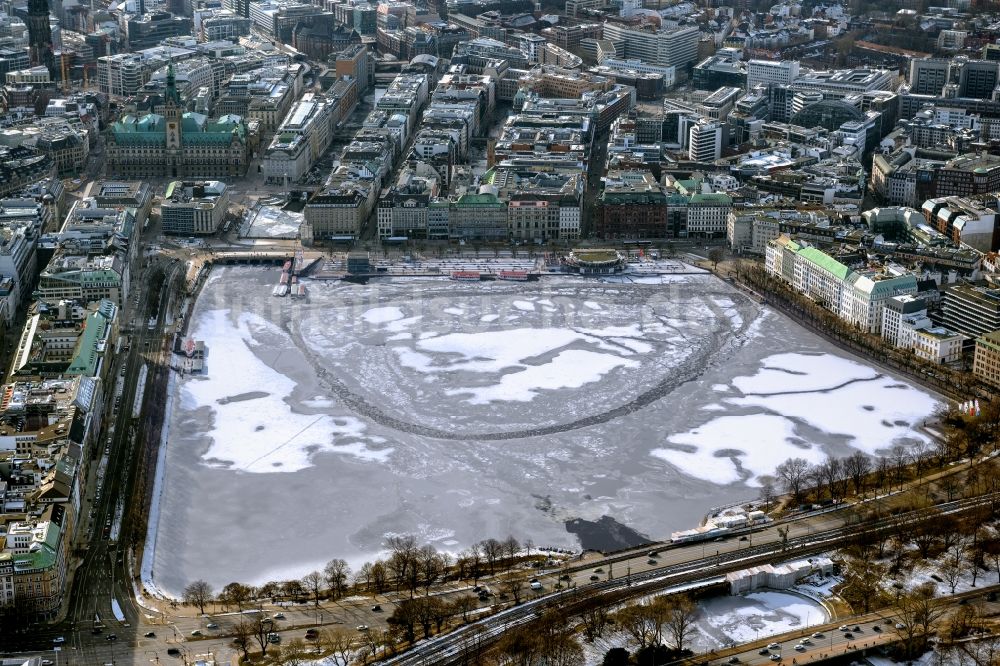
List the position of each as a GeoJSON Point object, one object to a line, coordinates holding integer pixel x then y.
{"type": "Point", "coordinates": [723, 620]}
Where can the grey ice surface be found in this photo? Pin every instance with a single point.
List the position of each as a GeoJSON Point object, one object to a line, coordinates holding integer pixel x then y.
{"type": "Point", "coordinates": [420, 406]}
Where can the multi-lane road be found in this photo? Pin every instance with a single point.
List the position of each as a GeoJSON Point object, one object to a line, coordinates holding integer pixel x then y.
{"type": "Point", "coordinates": [669, 568]}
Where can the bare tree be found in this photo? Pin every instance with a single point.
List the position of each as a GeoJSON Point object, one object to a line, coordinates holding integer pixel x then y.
{"type": "Point", "coordinates": [513, 585]}
{"type": "Point", "coordinates": [475, 562]}
{"type": "Point", "coordinates": [493, 551]}
{"type": "Point", "coordinates": [402, 558]}
{"type": "Point", "coordinates": [595, 621]}
{"type": "Point", "coordinates": [198, 593]}
{"type": "Point", "coordinates": [364, 576]}
{"type": "Point", "coordinates": [511, 547]}
{"type": "Point", "coordinates": [313, 582]}
{"type": "Point", "coordinates": [679, 613]}
{"type": "Point", "coordinates": [260, 628]}
{"type": "Point", "coordinates": [641, 622]}
{"type": "Point", "coordinates": [767, 490]}
{"type": "Point", "coordinates": [336, 572]}
{"type": "Point", "coordinates": [918, 615]}
{"type": "Point", "coordinates": [243, 637]}
{"type": "Point", "coordinates": [954, 565]}
{"type": "Point", "coordinates": [236, 594]}
{"type": "Point", "coordinates": [463, 605]}
{"type": "Point", "coordinates": [793, 473]}
{"type": "Point", "coordinates": [380, 577]}
{"type": "Point", "coordinates": [982, 652]}
{"type": "Point", "coordinates": [715, 255]}
{"type": "Point", "coordinates": [899, 456]}
{"type": "Point", "coordinates": [858, 465]}
{"type": "Point", "coordinates": [339, 643]}
{"type": "Point", "coordinates": [292, 589]}
{"type": "Point", "coordinates": [430, 566]}
{"type": "Point", "coordinates": [291, 653]}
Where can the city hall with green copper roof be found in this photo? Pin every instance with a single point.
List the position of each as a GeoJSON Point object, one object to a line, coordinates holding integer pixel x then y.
{"type": "Point", "coordinates": [178, 144]}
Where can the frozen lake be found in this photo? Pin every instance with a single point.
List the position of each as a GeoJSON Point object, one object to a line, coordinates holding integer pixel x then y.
{"type": "Point", "coordinates": [458, 411]}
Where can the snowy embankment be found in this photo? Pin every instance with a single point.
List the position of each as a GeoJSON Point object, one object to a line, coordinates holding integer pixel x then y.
{"type": "Point", "coordinates": [140, 391]}
{"type": "Point", "coordinates": [116, 609]}
{"type": "Point", "coordinates": [152, 521]}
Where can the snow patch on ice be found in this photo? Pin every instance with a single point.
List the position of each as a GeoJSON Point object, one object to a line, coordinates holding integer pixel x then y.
{"type": "Point", "coordinates": [524, 306]}
{"type": "Point", "coordinates": [787, 373]}
{"type": "Point", "coordinates": [262, 435]}
{"type": "Point", "coordinates": [382, 315]}
{"type": "Point", "coordinates": [569, 369]}
{"type": "Point", "coordinates": [731, 448]}
{"type": "Point", "coordinates": [874, 414]}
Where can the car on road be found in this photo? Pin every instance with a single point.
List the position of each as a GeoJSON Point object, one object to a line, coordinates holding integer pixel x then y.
{"type": "Point", "coordinates": [196, 632]}
{"type": "Point", "coordinates": [774, 646]}
{"type": "Point", "coordinates": [362, 627]}
{"type": "Point", "coordinates": [848, 635]}
{"type": "Point", "coordinates": [376, 608]}
{"type": "Point", "coordinates": [856, 628]}
{"type": "Point", "coordinates": [278, 616]}
{"type": "Point", "coordinates": [876, 627]}
{"type": "Point", "coordinates": [763, 651]}
{"type": "Point", "coordinates": [149, 634]}
{"type": "Point", "coordinates": [733, 660]}
{"type": "Point", "coordinates": [800, 648]}
{"type": "Point", "coordinates": [818, 634]}
{"type": "Point", "coordinates": [653, 553]}
{"type": "Point", "coordinates": [212, 625]}
{"type": "Point", "coordinates": [900, 625]}
{"type": "Point", "coordinates": [311, 634]}
{"type": "Point", "coordinates": [843, 627]}
{"type": "Point", "coordinates": [58, 640]}
{"type": "Point", "coordinates": [651, 562]}
{"type": "Point", "coordinates": [744, 538]}
{"type": "Point", "coordinates": [112, 637]}
{"type": "Point", "coordinates": [173, 652]}
{"type": "Point", "coordinates": [273, 638]}
{"type": "Point", "coordinates": [805, 641]}
{"type": "Point", "coordinates": [775, 657]}
{"type": "Point", "coordinates": [595, 577]}
{"type": "Point", "coordinates": [46, 662]}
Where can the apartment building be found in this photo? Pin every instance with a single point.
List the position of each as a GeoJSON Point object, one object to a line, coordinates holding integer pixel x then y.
{"type": "Point", "coordinates": [857, 297]}
{"type": "Point", "coordinates": [986, 361]}
{"type": "Point", "coordinates": [301, 139]}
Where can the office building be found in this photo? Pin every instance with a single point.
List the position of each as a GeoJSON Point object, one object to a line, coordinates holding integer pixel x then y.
{"type": "Point", "coordinates": [194, 208]}
{"type": "Point", "coordinates": [771, 72]}
{"type": "Point", "coordinates": [667, 46]}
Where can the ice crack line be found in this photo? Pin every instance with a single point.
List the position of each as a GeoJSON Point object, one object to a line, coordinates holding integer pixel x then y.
{"type": "Point", "coordinates": [692, 368]}
{"type": "Point", "coordinates": [822, 390]}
